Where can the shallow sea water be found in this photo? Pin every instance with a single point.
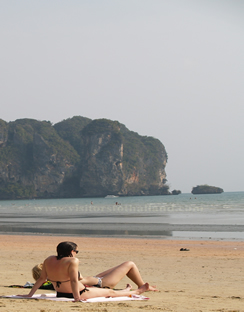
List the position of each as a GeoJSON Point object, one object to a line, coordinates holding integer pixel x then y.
{"type": "Point", "coordinates": [186, 216]}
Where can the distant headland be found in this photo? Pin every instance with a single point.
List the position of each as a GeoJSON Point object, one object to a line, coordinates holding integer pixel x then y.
{"type": "Point", "coordinates": [78, 157]}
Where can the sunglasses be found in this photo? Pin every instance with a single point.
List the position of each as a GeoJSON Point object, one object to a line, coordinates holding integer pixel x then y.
{"type": "Point", "coordinates": [76, 251]}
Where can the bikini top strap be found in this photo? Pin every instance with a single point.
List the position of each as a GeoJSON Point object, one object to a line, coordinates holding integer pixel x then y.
{"type": "Point", "coordinates": [58, 283]}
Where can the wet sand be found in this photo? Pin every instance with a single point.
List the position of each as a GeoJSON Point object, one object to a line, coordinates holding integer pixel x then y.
{"type": "Point", "coordinates": [208, 277]}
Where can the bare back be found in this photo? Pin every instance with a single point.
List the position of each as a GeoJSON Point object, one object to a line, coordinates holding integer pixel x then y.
{"type": "Point", "coordinates": [61, 272]}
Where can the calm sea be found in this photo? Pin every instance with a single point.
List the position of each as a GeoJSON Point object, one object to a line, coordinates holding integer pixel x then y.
{"type": "Point", "coordinates": [186, 216]}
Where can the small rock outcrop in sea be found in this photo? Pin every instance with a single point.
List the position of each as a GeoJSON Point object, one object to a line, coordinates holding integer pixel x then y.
{"type": "Point", "coordinates": [78, 157]}
{"type": "Point", "coordinates": [206, 189]}
{"type": "Point", "coordinates": [176, 192]}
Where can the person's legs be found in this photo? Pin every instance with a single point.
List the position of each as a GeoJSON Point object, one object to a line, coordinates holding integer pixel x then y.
{"type": "Point", "coordinates": [102, 274]}
{"type": "Point", "coordinates": [100, 292]}
{"type": "Point", "coordinates": [111, 277]}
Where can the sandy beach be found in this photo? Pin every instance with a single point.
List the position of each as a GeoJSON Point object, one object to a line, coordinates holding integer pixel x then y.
{"type": "Point", "coordinates": [208, 277]}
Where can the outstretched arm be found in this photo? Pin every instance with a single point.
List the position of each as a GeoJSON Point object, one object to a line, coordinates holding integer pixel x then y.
{"type": "Point", "coordinates": [42, 279]}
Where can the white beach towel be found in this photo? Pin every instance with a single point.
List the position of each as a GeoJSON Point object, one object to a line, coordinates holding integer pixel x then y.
{"type": "Point", "coordinates": [99, 299]}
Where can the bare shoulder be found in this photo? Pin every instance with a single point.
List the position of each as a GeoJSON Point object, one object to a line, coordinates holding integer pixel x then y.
{"type": "Point", "coordinates": [50, 259]}
{"type": "Point", "coordinates": [72, 261]}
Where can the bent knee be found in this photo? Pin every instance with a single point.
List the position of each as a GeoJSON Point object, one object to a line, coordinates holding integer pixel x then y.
{"type": "Point", "coordinates": [130, 263]}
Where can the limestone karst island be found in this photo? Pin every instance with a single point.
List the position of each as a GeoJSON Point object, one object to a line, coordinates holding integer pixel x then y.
{"type": "Point", "coordinates": [206, 189]}
{"type": "Point", "coordinates": [78, 157]}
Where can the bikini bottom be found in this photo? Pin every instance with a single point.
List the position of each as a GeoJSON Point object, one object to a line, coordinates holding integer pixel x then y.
{"type": "Point", "coordinates": [99, 283]}
{"type": "Point", "coordinates": [70, 295]}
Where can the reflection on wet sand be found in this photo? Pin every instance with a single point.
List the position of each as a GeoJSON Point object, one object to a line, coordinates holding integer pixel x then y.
{"type": "Point", "coordinates": [83, 230]}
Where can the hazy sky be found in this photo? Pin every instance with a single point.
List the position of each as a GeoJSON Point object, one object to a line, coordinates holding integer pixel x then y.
{"type": "Point", "coordinates": [171, 69]}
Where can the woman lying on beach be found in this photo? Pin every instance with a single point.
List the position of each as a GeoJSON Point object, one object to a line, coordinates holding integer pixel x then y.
{"type": "Point", "coordinates": [107, 279]}
{"type": "Point", "coordinates": [62, 271]}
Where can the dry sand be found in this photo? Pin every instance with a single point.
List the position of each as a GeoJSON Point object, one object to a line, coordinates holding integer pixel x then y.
{"type": "Point", "coordinates": [208, 277]}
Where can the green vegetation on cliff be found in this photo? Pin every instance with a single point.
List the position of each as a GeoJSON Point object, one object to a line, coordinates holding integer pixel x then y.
{"type": "Point", "coordinates": [70, 131]}
{"type": "Point", "coordinates": [78, 157]}
{"type": "Point", "coordinates": [16, 191]}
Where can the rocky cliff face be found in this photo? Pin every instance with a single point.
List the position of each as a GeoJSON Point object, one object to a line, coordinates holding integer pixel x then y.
{"type": "Point", "coordinates": [78, 157]}
{"type": "Point", "coordinates": [3, 132]}
{"type": "Point", "coordinates": [101, 168]}
{"type": "Point", "coordinates": [34, 160]}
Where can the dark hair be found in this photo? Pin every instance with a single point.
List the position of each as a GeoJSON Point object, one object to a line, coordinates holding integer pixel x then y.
{"type": "Point", "coordinates": [64, 249]}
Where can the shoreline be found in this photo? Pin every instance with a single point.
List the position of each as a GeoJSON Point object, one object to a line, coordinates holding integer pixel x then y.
{"type": "Point", "coordinates": [207, 277]}
{"type": "Point", "coordinates": [192, 236]}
